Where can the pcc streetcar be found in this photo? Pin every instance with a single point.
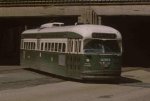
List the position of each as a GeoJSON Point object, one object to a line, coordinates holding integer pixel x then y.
{"type": "Point", "coordinates": [87, 51]}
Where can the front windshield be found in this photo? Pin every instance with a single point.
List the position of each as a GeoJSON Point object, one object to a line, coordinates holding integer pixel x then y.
{"type": "Point", "coordinates": [101, 46]}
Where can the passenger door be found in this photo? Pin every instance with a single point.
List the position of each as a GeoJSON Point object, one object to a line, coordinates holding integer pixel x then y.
{"type": "Point", "coordinates": [73, 58]}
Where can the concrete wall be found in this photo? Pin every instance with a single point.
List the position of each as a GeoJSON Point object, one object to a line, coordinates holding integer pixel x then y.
{"type": "Point", "coordinates": [141, 10]}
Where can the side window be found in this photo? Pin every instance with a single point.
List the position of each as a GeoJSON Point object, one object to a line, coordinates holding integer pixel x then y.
{"type": "Point", "coordinates": [71, 45]}
{"type": "Point", "coordinates": [46, 46]}
{"type": "Point", "coordinates": [42, 46]}
{"type": "Point", "coordinates": [26, 45]}
{"type": "Point", "coordinates": [34, 45]}
{"type": "Point", "coordinates": [29, 45]}
{"type": "Point", "coordinates": [76, 46]}
{"type": "Point", "coordinates": [63, 47]}
{"type": "Point", "coordinates": [60, 47]}
{"type": "Point", "coordinates": [49, 46]}
{"type": "Point", "coordinates": [52, 47]}
{"type": "Point", "coordinates": [79, 46]}
{"type": "Point", "coordinates": [56, 47]}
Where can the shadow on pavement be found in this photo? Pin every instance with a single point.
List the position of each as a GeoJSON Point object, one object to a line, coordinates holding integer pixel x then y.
{"type": "Point", "coordinates": [133, 83]}
{"type": "Point", "coordinates": [121, 80]}
{"type": "Point", "coordinates": [128, 80]}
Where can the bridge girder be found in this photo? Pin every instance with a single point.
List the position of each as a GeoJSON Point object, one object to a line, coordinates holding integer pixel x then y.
{"type": "Point", "coordinates": [110, 10]}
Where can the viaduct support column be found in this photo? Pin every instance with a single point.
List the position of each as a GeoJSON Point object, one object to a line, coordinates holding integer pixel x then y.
{"type": "Point", "coordinates": [89, 16]}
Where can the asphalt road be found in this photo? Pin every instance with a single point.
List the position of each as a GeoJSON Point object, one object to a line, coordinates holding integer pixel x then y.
{"type": "Point", "coordinates": [19, 78]}
{"type": "Point", "coordinates": [134, 86]}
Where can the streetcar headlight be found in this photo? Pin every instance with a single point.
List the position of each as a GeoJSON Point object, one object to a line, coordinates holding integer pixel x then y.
{"type": "Point", "coordinates": [87, 60]}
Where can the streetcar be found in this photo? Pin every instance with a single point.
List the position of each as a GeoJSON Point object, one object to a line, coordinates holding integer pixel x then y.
{"type": "Point", "coordinates": [85, 52]}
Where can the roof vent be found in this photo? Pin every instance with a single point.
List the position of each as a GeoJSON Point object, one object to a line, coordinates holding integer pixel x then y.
{"type": "Point", "coordinates": [48, 25]}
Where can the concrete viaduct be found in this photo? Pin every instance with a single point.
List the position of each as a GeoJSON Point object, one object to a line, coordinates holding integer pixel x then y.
{"type": "Point", "coordinates": [130, 17]}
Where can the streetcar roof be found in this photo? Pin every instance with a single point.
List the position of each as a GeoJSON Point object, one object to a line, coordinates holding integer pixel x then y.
{"type": "Point", "coordinates": [84, 30]}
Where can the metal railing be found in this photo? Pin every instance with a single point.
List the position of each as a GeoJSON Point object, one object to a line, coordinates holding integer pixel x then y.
{"type": "Point", "coordinates": [68, 2]}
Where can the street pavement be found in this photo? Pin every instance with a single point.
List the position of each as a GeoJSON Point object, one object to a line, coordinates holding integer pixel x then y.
{"type": "Point", "coordinates": [16, 77]}
{"type": "Point", "coordinates": [134, 86]}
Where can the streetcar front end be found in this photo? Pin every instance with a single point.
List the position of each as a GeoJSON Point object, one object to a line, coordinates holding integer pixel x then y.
{"type": "Point", "coordinates": [98, 67]}
{"type": "Point", "coordinates": [102, 58]}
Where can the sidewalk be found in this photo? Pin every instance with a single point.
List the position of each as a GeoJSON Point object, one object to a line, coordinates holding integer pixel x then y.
{"type": "Point", "coordinates": [126, 69]}
{"type": "Point", "coordinates": [5, 68]}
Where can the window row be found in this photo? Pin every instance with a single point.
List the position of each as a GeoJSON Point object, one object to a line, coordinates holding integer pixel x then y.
{"type": "Point", "coordinates": [53, 47]}
{"type": "Point", "coordinates": [71, 46]}
{"type": "Point", "coordinates": [29, 45]}
{"type": "Point", "coordinates": [74, 46]}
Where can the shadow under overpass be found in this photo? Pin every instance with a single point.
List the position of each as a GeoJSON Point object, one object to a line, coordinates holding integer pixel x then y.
{"type": "Point", "coordinates": [134, 29]}
{"type": "Point", "coordinates": [10, 34]}
{"type": "Point", "coordinates": [136, 38]}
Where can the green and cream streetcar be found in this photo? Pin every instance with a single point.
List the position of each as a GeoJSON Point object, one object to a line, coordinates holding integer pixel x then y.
{"type": "Point", "coordinates": [79, 51]}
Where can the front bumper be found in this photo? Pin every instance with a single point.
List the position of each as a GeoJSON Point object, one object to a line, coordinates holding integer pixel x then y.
{"type": "Point", "coordinates": [101, 75]}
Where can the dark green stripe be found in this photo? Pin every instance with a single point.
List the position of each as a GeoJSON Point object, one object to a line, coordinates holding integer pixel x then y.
{"type": "Point", "coordinates": [52, 35]}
